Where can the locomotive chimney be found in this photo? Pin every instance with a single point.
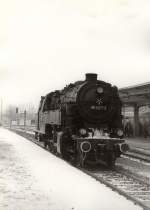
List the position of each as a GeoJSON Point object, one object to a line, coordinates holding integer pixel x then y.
{"type": "Point", "coordinates": [90, 77]}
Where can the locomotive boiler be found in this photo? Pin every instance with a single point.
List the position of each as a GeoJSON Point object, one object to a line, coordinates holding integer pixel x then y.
{"type": "Point", "coordinates": [82, 123]}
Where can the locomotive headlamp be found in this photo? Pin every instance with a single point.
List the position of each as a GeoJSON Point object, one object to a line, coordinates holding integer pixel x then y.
{"type": "Point", "coordinates": [120, 132]}
{"type": "Point", "coordinates": [82, 131]}
{"type": "Point", "coordinates": [100, 90]}
{"type": "Point", "coordinates": [85, 146]}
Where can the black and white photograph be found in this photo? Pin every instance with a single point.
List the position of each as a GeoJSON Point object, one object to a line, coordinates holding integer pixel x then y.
{"type": "Point", "coordinates": [75, 105]}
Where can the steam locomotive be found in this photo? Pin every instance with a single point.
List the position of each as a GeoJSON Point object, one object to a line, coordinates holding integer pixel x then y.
{"type": "Point", "coordinates": [83, 123]}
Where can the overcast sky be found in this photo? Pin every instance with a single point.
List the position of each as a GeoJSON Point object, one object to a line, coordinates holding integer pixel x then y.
{"type": "Point", "coordinates": [46, 44]}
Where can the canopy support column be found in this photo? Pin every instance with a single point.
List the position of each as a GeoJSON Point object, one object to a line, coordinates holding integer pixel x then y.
{"type": "Point", "coordinates": [136, 120]}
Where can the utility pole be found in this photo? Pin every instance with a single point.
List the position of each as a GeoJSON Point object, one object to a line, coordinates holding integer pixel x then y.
{"type": "Point", "coordinates": [25, 117]}
{"type": "Point", "coordinates": [10, 117]}
{"type": "Point", "coordinates": [17, 115]}
{"type": "Point", "coordinates": [1, 111]}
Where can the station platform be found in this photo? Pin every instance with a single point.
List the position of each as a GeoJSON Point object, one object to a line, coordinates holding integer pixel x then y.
{"type": "Point", "coordinates": [32, 178]}
{"type": "Point", "coordinates": [139, 143]}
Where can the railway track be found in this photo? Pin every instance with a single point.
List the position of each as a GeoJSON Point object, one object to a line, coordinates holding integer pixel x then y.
{"type": "Point", "coordinates": [126, 185]}
{"type": "Point", "coordinates": [122, 182]}
{"type": "Point", "coordinates": [139, 155]}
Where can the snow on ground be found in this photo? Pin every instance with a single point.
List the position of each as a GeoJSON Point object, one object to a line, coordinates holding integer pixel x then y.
{"type": "Point", "coordinates": [32, 178]}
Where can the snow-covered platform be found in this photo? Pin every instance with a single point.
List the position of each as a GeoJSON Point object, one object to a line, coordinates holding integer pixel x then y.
{"type": "Point", "coordinates": [32, 178]}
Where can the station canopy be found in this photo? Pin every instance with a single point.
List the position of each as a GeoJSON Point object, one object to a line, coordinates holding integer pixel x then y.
{"type": "Point", "coordinates": [136, 95]}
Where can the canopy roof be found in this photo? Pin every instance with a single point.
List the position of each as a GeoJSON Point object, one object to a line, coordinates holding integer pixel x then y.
{"type": "Point", "coordinates": [137, 94]}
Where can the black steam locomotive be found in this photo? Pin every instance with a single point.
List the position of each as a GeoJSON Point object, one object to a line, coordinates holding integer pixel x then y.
{"type": "Point", "coordinates": [82, 123]}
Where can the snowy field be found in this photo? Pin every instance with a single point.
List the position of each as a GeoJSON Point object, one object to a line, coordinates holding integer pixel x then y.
{"type": "Point", "coordinates": [33, 179]}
